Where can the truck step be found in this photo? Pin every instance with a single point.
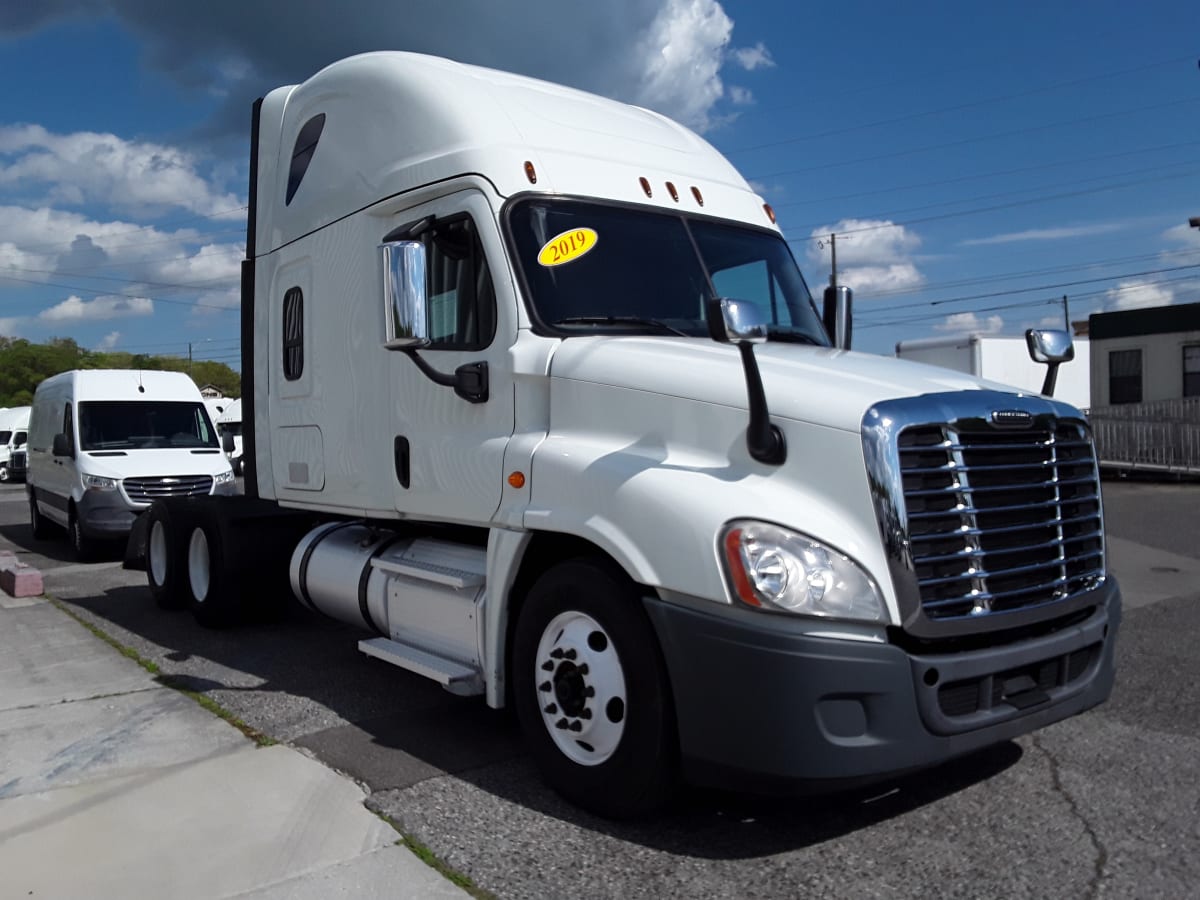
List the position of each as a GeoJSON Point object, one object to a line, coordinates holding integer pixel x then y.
{"type": "Point", "coordinates": [428, 571]}
{"type": "Point", "coordinates": [452, 675]}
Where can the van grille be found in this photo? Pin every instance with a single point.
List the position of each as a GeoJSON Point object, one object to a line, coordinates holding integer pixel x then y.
{"type": "Point", "coordinates": [146, 490]}
{"type": "Point", "coordinates": [1001, 519]}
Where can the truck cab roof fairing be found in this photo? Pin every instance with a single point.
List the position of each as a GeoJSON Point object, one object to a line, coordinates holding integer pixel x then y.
{"type": "Point", "coordinates": [396, 121]}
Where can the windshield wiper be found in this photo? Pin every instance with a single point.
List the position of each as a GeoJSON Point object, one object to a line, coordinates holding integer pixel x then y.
{"type": "Point", "coordinates": [788, 336]}
{"type": "Point", "coordinates": [622, 320]}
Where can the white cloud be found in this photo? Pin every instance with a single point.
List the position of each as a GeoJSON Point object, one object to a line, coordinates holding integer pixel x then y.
{"type": "Point", "coordinates": [873, 255]}
{"type": "Point", "coordinates": [681, 56]}
{"type": "Point", "coordinates": [109, 340]}
{"type": "Point", "coordinates": [739, 96]}
{"type": "Point", "coordinates": [1138, 293]}
{"type": "Point", "coordinates": [1045, 234]}
{"type": "Point", "coordinates": [89, 167]}
{"type": "Point", "coordinates": [751, 58]}
{"type": "Point", "coordinates": [10, 327]}
{"type": "Point", "coordinates": [75, 309]}
{"type": "Point", "coordinates": [665, 54]}
{"type": "Point", "coordinates": [1183, 234]}
{"type": "Point", "coordinates": [970, 323]}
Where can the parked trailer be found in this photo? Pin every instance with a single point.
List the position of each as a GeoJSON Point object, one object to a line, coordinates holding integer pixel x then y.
{"type": "Point", "coordinates": [535, 394]}
{"type": "Point", "coordinates": [1003, 360]}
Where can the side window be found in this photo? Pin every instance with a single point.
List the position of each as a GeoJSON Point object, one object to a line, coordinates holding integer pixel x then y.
{"type": "Point", "coordinates": [1191, 370]}
{"type": "Point", "coordinates": [302, 154]}
{"type": "Point", "coordinates": [293, 334]}
{"type": "Point", "coordinates": [461, 296]}
{"type": "Point", "coordinates": [1125, 376]}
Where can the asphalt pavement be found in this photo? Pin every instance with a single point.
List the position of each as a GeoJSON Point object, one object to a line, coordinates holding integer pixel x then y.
{"type": "Point", "coordinates": [1104, 804]}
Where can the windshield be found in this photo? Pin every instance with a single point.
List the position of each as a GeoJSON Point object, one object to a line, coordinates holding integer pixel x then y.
{"type": "Point", "coordinates": [591, 266]}
{"type": "Point", "coordinates": [19, 439]}
{"type": "Point", "coordinates": [142, 424]}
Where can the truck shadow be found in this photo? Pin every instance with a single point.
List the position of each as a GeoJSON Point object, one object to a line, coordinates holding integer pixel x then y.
{"type": "Point", "coordinates": [56, 547]}
{"type": "Point", "coordinates": [302, 680]}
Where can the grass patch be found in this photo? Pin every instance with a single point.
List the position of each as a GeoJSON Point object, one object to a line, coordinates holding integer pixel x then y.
{"type": "Point", "coordinates": [427, 856]}
{"type": "Point", "coordinates": [169, 681]}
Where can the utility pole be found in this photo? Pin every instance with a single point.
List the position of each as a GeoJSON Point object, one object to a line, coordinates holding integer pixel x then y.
{"type": "Point", "coordinates": [1067, 313]}
{"type": "Point", "coordinates": [189, 359]}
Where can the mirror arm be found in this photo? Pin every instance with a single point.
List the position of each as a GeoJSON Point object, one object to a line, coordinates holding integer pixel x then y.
{"type": "Point", "coordinates": [469, 381]}
{"type": "Point", "coordinates": [764, 440]}
{"type": "Point", "coordinates": [1051, 378]}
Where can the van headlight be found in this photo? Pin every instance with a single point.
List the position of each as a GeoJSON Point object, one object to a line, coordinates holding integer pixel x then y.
{"type": "Point", "coordinates": [99, 483]}
{"type": "Point", "coordinates": [768, 567]}
{"type": "Point", "coordinates": [224, 477]}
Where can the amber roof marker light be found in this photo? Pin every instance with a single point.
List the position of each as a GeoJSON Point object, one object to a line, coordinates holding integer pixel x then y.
{"type": "Point", "coordinates": [696, 193]}
{"type": "Point", "coordinates": [646, 187]}
{"type": "Point", "coordinates": [770, 212]}
{"type": "Point", "coordinates": [530, 172]}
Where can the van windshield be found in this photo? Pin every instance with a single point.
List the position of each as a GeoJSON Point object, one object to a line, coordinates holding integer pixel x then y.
{"type": "Point", "coordinates": [142, 425]}
{"type": "Point", "coordinates": [593, 267]}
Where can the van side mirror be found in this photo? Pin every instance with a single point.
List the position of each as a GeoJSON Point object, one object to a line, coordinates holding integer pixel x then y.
{"type": "Point", "coordinates": [62, 446]}
{"type": "Point", "coordinates": [1052, 347]}
{"type": "Point", "coordinates": [227, 442]}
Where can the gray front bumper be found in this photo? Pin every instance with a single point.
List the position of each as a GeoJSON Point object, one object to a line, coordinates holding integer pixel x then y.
{"type": "Point", "coordinates": [762, 706]}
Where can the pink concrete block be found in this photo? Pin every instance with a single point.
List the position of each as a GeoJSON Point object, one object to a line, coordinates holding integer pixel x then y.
{"type": "Point", "coordinates": [20, 580]}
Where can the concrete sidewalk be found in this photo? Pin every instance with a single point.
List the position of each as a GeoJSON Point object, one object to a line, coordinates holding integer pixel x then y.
{"type": "Point", "coordinates": [112, 785]}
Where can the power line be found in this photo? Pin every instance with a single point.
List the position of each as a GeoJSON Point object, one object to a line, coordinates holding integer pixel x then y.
{"type": "Point", "coordinates": [94, 293]}
{"type": "Point", "coordinates": [958, 106]}
{"type": "Point", "coordinates": [976, 140]}
{"type": "Point", "coordinates": [159, 226]}
{"type": "Point", "coordinates": [984, 209]}
{"type": "Point", "coordinates": [941, 182]}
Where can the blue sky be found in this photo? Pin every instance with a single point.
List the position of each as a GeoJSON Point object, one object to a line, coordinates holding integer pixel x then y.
{"type": "Point", "coordinates": [977, 161]}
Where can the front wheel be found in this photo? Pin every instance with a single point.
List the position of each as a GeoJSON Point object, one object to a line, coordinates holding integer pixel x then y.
{"type": "Point", "coordinates": [84, 546]}
{"type": "Point", "coordinates": [591, 691]}
{"type": "Point", "coordinates": [4, 475]}
{"type": "Point", "coordinates": [37, 524]}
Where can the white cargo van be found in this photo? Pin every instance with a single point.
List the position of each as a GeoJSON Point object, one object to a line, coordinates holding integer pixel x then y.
{"type": "Point", "coordinates": [104, 443]}
{"type": "Point", "coordinates": [14, 426]}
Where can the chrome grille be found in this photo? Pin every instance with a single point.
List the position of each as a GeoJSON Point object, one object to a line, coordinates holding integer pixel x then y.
{"type": "Point", "coordinates": [17, 461]}
{"type": "Point", "coordinates": [146, 490]}
{"type": "Point", "coordinates": [1000, 520]}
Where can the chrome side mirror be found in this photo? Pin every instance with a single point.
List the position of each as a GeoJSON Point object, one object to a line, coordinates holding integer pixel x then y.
{"type": "Point", "coordinates": [735, 322]}
{"type": "Point", "coordinates": [1048, 345]}
{"type": "Point", "coordinates": [1052, 347]}
{"type": "Point", "coordinates": [406, 306]}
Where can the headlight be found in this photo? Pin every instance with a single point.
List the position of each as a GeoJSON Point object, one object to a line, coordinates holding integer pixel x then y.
{"type": "Point", "coordinates": [99, 483]}
{"type": "Point", "coordinates": [224, 477]}
{"type": "Point", "coordinates": [773, 568]}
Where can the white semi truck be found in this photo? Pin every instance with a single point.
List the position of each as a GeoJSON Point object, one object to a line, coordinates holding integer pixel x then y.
{"type": "Point", "coordinates": [535, 393]}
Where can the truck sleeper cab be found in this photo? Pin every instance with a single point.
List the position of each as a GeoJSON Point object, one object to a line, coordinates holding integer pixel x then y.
{"type": "Point", "coordinates": [534, 392]}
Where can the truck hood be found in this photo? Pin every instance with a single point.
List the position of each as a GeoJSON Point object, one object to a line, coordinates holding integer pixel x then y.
{"type": "Point", "coordinates": [818, 385]}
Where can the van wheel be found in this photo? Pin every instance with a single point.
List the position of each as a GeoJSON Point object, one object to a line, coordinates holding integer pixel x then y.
{"type": "Point", "coordinates": [40, 527]}
{"type": "Point", "coordinates": [213, 594]}
{"type": "Point", "coordinates": [84, 546]}
{"type": "Point", "coordinates": [166, 564]}
{"type": "Point", "coordinates": [4, 476]}
{"type": "Point", "coordinates": [591, 691]}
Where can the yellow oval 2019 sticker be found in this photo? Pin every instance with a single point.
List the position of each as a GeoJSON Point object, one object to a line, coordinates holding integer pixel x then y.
{"type": "Point", "coordinates": [567, 247]}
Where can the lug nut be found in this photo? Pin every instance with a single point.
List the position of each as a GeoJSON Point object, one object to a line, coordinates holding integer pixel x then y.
{"type": "Point", "coordinates": [582, 668]}
{"type": "Point", "coordinates": [589, 691]}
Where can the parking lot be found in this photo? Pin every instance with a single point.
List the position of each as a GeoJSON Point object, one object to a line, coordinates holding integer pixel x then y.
{"type": "Point", "coordinates": [1105, 804]}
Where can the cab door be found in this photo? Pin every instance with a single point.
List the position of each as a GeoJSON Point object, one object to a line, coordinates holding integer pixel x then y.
{"type": "Point", "coordinates": [449, 451]}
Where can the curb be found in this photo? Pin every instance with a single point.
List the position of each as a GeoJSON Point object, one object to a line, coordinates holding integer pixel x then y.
{"type": "Point", "coordinates": [18, 579]}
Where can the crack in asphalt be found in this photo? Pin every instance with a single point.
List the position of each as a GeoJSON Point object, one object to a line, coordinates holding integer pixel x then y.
{"type": "Point", "coordinates": [1060, 788]}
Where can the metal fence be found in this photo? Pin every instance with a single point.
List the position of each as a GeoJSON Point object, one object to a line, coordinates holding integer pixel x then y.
{"type": "Point", "coordinates": [1163, 436]}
